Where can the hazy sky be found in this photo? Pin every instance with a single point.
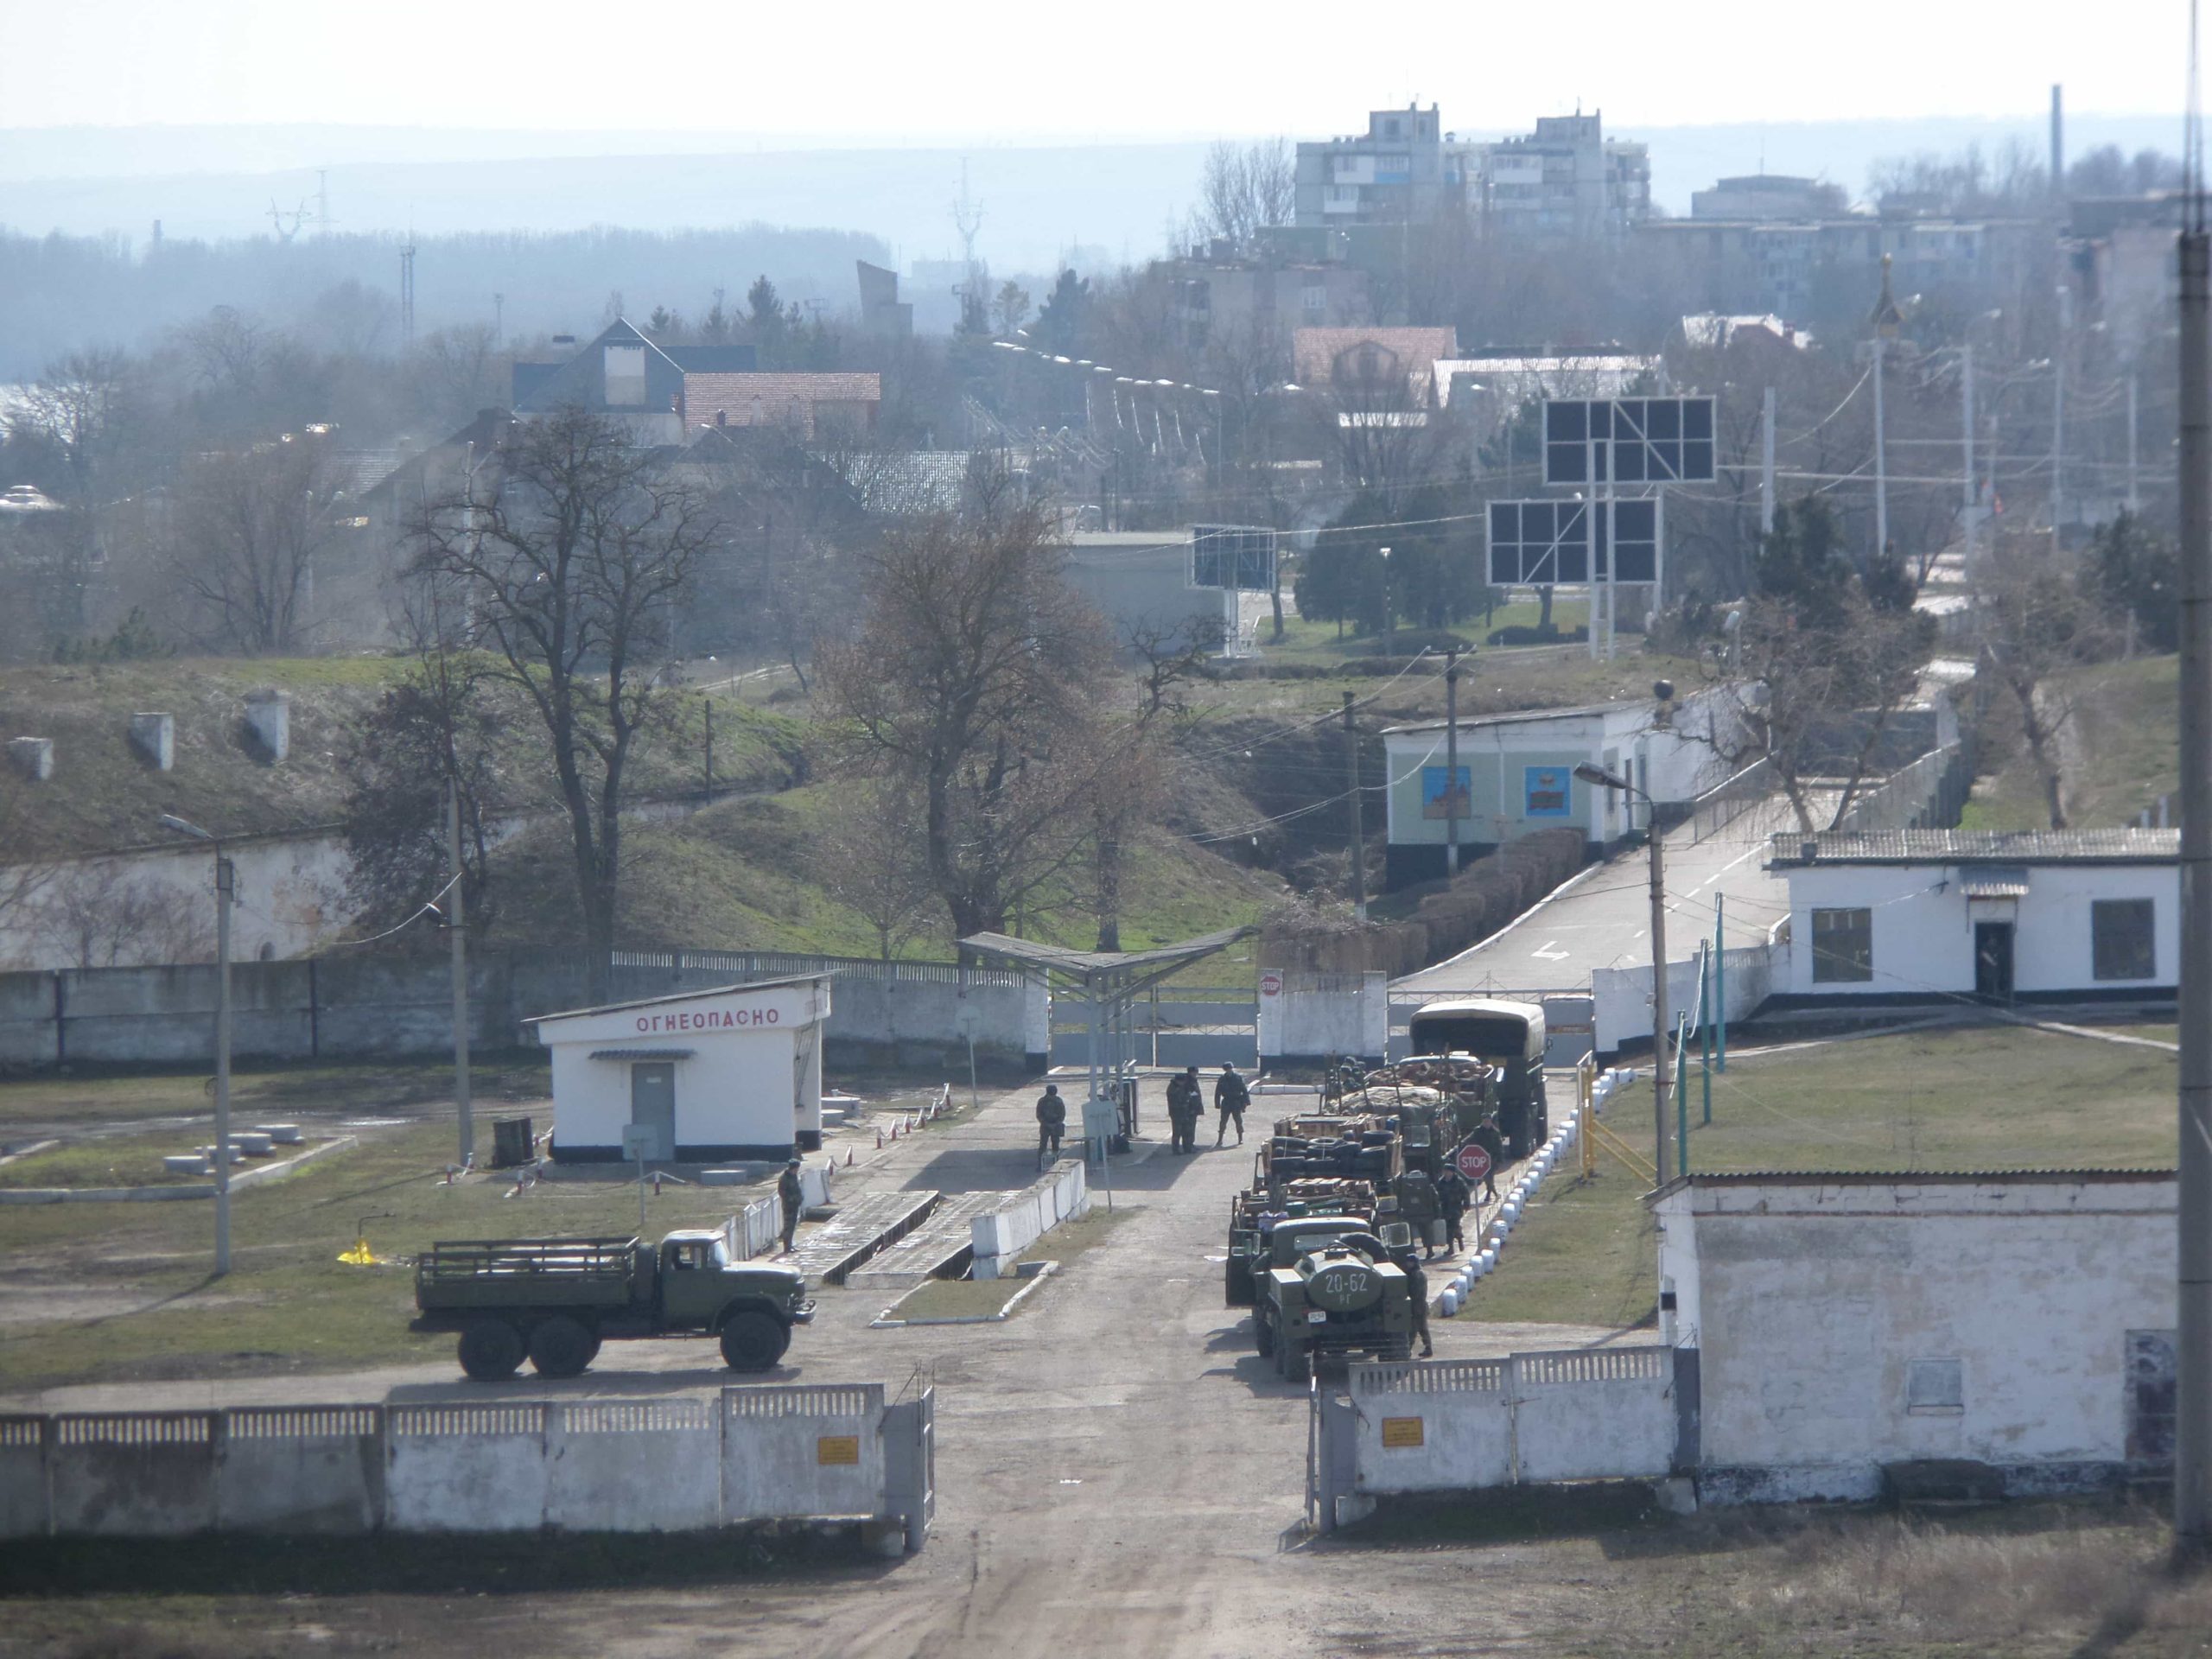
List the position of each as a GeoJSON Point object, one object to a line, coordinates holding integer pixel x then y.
{"type": "Point", "coordinates": [866, 72]}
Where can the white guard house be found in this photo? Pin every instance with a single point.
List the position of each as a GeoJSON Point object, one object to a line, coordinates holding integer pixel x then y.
{"type": "Point", "coordinates": [1517, 775]}
{"type": "Point", "coordinates": [733, 1074]}
{"type": "Point", "coordinates": [2062, 915]}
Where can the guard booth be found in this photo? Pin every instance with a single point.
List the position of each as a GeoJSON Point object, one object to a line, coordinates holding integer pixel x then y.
{"type": "Point", "coordinates": [732, 1074]}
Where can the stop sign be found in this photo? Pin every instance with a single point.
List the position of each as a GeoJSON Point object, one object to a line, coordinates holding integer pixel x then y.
{"type": "Point", "coordinates": [1472, 1161]}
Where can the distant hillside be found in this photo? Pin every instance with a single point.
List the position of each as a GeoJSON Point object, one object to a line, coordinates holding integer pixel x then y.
{"type": "Point", "coordinates": [102, 795]}
{"type": "Point", "coordinates": [2122, 749]}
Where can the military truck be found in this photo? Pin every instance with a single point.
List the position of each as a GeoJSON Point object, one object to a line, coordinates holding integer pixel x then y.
{"type": "Point", "coordinates": [1256, 1217]}
{"type": "Point", "coordinates": [1509, 1037]}
{"type": "Point", "coordinates": [556, 1299]}
{"type": "Point", "coordinates": [1331, 1292]}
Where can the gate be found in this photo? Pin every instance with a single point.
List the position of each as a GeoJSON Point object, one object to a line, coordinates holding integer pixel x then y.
{"type": "Point", "coordinates": [1176, 1026]}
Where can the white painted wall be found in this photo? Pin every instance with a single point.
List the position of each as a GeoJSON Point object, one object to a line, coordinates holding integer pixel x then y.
{"type": "Point", "coordinates": [1061, 1194]}
{"type": "Point", "coordinates": [742, 1082]}
{"type": "Point", "coordinates": [1324, 1014]}
{"type": "Point", "coordinates": [1923, 925]}
{"type": "Point", "coordinates": [1808, 1300]}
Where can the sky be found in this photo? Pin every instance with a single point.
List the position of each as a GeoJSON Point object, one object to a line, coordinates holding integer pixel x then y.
{"type": "Point", "coordinates": [864, 73]}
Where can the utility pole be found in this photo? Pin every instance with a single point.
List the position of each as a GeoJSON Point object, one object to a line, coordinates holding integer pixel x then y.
{"type": "Point", "coordinates": [1389, 622]}
{"type": "Point", "coordinates": [226, 893]}
{"type": "Point", "coordinates": [457, 927]}
{"type": "Point", "coordinates": [2058, 412]}
{"type": "Point", "coordinates": [710, 747]}
{"type": "Point", "coordinates": [1451, 763]}
{"type": "Point", "coordinates": [1358, 819]}
{"type": "Point", "coordinates": [1881, 452]}
{"type": "Point", "coordinates": [1660, 1068]}
{"type": "Point", "coordinates": [2193, 1334]}
{"type": "Point", "coordinates": [407, 295]}
{"type": "Point", "coordinates": [1966, 384]}
{"type": "Point", "coordinates": [2134, 499]}
{"type": "Point", "coordinates": [1766, 464]}
{"type": "Point", "coordinates": [498, 319]}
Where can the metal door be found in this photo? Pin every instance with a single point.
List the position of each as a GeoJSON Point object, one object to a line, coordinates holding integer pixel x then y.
{"type": "Point", "coordinates": [652, 1104]}
{"type": "Point", "coordinates": [1992, 961]}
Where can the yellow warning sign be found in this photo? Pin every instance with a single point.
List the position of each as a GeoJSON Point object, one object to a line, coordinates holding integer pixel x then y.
{"type": "Point", "coordinates": [1399, 1431]}
{"type": "Point", "coordinates": [837, 1449]}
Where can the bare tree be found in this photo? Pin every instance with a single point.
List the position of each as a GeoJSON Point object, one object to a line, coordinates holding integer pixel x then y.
{"type": "Point", "coordinates": [573, 570]}
{"type": "Point", "coordinates": [1246, 188]}
{"type": "Point", "coordinates": [869, 860]}
{"type": "Point", "coordinates": [101, 916]}
{"type": "Point", "coordinates": [249, 526]}
{"type": "Point", "coordinates": [969, 682]}
{"type": "Point", "coordinates": [2036, 623]}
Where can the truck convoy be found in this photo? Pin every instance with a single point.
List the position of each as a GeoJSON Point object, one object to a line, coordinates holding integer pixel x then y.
{"type": "Point", "coordinates": [556, 1299]}
{"type": "Point", "coordinates": [1366, 1167]}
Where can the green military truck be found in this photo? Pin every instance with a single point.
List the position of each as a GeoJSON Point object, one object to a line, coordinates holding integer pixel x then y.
{"type": "Point", "coordinates": [1331, 1290]}
{"type": "Point", "coordinates": [556, 1299]}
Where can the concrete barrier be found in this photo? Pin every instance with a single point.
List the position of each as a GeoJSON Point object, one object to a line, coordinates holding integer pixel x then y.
{"type": "Point", "coordinates": [1061, 1194]}
{"type": "Point", "coordinates": [676, 1464]}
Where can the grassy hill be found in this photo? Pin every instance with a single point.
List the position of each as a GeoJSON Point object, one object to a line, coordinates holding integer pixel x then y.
{"type": "Point", "coordinates": [2122, 750]}
{"type": "Point", "coordinates": [104, 795]}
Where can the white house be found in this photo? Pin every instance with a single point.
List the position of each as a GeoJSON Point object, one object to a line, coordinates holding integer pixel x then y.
{"type": "Point", "coordinates": [2063, 915]}
{"type": "Point", "coordinates": [731, 1073]}
{"type": "Point", "coordinates": [2022, 1320]}
{"type": "Point", "coordinates": [1516, 774]}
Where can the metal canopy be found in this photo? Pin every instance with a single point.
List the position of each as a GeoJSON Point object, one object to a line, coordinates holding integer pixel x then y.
{"type": "Point", "coordinates": [1108, 982]}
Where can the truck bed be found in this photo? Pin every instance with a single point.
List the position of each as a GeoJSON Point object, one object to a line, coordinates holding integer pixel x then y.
{"type": "Point", "coordinates": [528, 1272]}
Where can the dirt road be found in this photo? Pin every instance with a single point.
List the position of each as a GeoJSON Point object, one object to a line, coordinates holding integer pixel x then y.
{"type": "Point", "coordinates": [1118, 1473]}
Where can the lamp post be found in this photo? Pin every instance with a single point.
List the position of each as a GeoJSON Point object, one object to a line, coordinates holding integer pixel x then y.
{"type": "Point", "coordinates": [224, 881]}
{"type": "Point", "coordinates": [1598, 777]}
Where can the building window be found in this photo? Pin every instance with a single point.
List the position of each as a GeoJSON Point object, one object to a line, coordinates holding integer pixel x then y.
{"type": "Point", "coordinates": [1933, 1385]}
{"type": "Point", "coordinates": [1843, 945]}
{"type": "Point", "coordinates": [2122, 938]}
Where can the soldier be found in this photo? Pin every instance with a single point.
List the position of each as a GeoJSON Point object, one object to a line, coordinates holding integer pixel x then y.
{"type": "Point", "coordinates": [1052, 1122]}
{"type": "Point", "coordinates": [1451, 1192]}
{"type": "Point", "coordinates": [1487, 1137]}
{"type": "Point", "coordinates": [1417, 1295]}
{"type": "Point", "coordinates": [1186, 1100]}
{"type": "Point", "coordinates": [793, 1198]}
{"type": "Point", "coordinates": [1230, 1097]}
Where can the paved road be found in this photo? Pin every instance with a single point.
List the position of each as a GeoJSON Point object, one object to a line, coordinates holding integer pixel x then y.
{"type": "Point", "coordinates": [1118, 1473]}
{"type": "Point", "coordinates": [1603, 919]}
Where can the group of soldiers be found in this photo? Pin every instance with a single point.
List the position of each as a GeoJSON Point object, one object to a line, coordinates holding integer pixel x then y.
{"type": "Point", "coordinates": [1186, 1105]}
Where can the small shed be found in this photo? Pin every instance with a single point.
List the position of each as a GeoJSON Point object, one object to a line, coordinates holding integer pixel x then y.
{"type": "Point", "coordinates": [1932, 915]}
{"type": "Point", "coordinates": [732, 1073]}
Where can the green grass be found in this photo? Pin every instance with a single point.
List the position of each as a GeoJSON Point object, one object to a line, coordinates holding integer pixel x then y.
{"type": "Point", "coordinates": [131, 1296]}
{"type": "Point", "coordinates": [1980, 1098]}
{"type": "Point", "coordinates": [268, 1096]}
{"type": "Point", "coordinates": [1318, 642]}
{"type": "Point", "coordinates": [2125, 749]}
{"type": "Point", "coordinates": [116, 1160]}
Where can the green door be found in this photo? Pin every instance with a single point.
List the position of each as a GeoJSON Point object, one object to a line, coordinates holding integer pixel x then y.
{"type": "Point", "coordinates": [653, 1104]}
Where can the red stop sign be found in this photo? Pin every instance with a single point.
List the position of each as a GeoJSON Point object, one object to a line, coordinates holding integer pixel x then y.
{"type": "Point", "coordinates": [1473, 1161]}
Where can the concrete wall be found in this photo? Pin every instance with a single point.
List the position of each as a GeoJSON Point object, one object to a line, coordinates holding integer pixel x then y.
{"type": "Point", "coordinates": [1810, 1301]}
{"type": "Point", "coordinates": [1622, 995]}
{"type": "Point", "coordinates": [1924, 927]}
{"type": "Point", "coordinates": [1462, 1425]}
{"type": "Point", "coordinates": [1061, 1195]}
{"type": "Point", "coordinates": [342, 1006]}
{"type": "Point", "coordinates": [661, 1465]}
{"type": "Point", "coordinates": [1315, 1016]}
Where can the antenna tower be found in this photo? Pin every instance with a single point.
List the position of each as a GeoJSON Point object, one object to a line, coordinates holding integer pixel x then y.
{"type": "Point", "coordinates": [407, 293]}
{"type": "Point", "coordinates": [967, 216]}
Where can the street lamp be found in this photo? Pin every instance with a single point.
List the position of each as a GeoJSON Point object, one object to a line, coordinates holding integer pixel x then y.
{"type": "Point", "coordinates": [1598, 778]}
{"type": "Point", "coordinates": [225, 881]}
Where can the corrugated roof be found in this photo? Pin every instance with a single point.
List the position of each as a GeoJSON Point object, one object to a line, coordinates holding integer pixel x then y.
{"type": "Point", "coordinates": [2025, 847]}
{"type": "Point", "coordinates": [1996, 881]}
{"type": "Point", "coordinates": [1084, 964]}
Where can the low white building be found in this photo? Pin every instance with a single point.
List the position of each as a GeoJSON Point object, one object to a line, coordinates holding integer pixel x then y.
{"type": "Point", "coordinates": [734, 1073]}
{"type": "Point", "coordinates": [1516, 774]}
{"type": "Point", "coordinates": [1841, 1322]}
{"type": "Point", "coordinates": [2063, 915]}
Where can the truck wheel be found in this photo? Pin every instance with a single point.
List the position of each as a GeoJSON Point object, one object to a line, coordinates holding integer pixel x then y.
{"type": "Point", "coordinates": [490, 1349]}
{"type": "Point", "coordinates": [561, 1346]}
{"type": "Point", "coordinates": [1263, 1337]}
{"type": "Point", "coordinates": [754, 1341]}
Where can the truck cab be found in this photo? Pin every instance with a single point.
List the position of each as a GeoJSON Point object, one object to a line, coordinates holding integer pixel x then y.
{"type": "Point", "coordinates": [697, 1283]}
{"type": "Point", "coordinates": [1339, 1296]}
